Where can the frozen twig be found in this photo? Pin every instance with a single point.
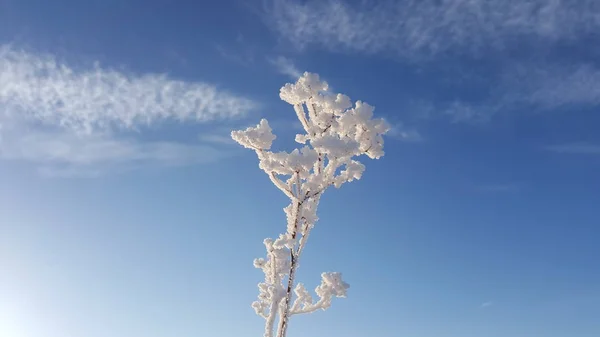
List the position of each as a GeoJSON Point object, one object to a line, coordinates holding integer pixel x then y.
{"type": "Point", "coordinates": [335, 133]}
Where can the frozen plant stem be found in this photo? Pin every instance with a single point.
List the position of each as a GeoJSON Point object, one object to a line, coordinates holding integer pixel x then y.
{"type": "Point", "coordinates": [335, 133]}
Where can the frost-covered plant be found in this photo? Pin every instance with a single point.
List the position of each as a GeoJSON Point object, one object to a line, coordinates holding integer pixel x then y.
{"type": "Point", "coordinates": [335, 133]}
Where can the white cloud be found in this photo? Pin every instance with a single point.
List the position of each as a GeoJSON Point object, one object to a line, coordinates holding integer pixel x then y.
{"type": "Point", "coordinates": [555, 86]}
{"type": "Point", "coordinates": [286, 67]}
{"type": "Point", "coordinates": [427, 27]}
{"type": "Point", "coordinates": [241, 51]}
{"type": "Point", "coordinates": [398, 131]}
{"type": "Point", "coordinates": [90, 150]}
{"type": "Point", "coordinates": [71, 120]}
{"type": "Point", "coordinates": [214, 138]}
{"type": "Point", "coordinates": [60, 153]}
{"type": "Point", "coordinates": [576, 148]}
{"type": "Point", "coordinates": [541, 88]}
{"type": "Point", "coordinates": [41, 89]}
{"type": "Point", "coordinates": [486, 304]}
{"type": "Point", "coordinates": [416, 30]}
{"type": "Point", "coordinates": [461, 112]}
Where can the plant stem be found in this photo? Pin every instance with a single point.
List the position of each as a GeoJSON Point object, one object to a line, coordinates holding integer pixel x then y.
{"type": "Point", "coordinates": [285, 310]}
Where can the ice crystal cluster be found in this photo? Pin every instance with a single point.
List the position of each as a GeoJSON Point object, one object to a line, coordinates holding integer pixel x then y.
{"type": "Point", "coordinates": [336, 132]}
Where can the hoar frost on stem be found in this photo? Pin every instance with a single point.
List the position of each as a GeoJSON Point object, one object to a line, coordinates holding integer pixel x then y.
{"type": "Point", "coordinates": [335, 133]}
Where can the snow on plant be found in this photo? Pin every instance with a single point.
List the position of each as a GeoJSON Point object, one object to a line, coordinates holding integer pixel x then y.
{"type": "Point", "coordinates": [336, 132]}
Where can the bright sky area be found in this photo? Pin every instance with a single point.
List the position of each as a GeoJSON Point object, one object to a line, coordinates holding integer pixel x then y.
{"type": "Point", "coordinates": [127, 211]}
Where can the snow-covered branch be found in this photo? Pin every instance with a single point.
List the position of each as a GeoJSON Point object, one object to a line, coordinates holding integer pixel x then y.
{"type": "Point", "coordinates": [331, 285]}
{"type": "Point", "coordinates": [336, 133]}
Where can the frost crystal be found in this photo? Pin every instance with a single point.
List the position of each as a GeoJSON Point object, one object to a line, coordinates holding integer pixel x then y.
{"type": "Point", "coordinates": [335, 132]}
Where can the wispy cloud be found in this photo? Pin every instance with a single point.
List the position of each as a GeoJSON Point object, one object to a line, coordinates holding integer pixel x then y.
{"type": "Point", "coordinates": [540, 88]}
{"type": "Point", "coordinates": [427, 27]}
{"type": "Point", "coordinates": [576, 148]}
{"type": "Point", "coordinates": [240, 51]}
{"type": "Point", "coordinates": [215, 138]}
{"type": "Point", "coordinates": [61, 154]}
{"type": "Point", "coordinates": [37, 87]}
{"type": "Point", "coordinates": [55, 115]}
{"type": "Point", "coordinates": [486, 304]}
{"type": "Point", "coordinates": [555, 86]}
{"type": "Point", "coordinates": [417, 30]}
{"type": "Point", "coordinates": [286, 67]}
{"type": "Point", "coordinates": [462, 112]}
{"type": "Point", "coordinates": [400, 132]}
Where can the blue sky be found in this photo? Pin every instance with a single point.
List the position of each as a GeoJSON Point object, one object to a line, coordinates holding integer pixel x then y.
{"type": "Point", "coordinates": [125, 210]}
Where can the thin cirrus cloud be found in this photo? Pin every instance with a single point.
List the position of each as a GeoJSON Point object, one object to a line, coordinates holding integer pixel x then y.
{"type": "Point", "coordinates": [37, 87]}
{"type": "Point", "coordinates": [542, 88]}
{"type": "Point", "coordinates": [417, 30]}
{"type": "Point", "coordinates": [399, 132]}
{"type": "Point", "coordinates": [69, 154]}
{"type": "Point", "coordinates": [551, 87]}
{"type": "Point", "coordinates": [425, 27]}
{"type": "Point", "coordinates": [217, 138]}
{"type": "Point", "coordinates": [60, 117]}
{"type": "Point", "coordinates": [285, 66]}
{"type": "Point", "coordinates": [583, 148]}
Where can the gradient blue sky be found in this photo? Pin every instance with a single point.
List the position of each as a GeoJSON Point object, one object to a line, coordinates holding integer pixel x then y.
{"type": "Point", "coordinates": [125, 211]}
